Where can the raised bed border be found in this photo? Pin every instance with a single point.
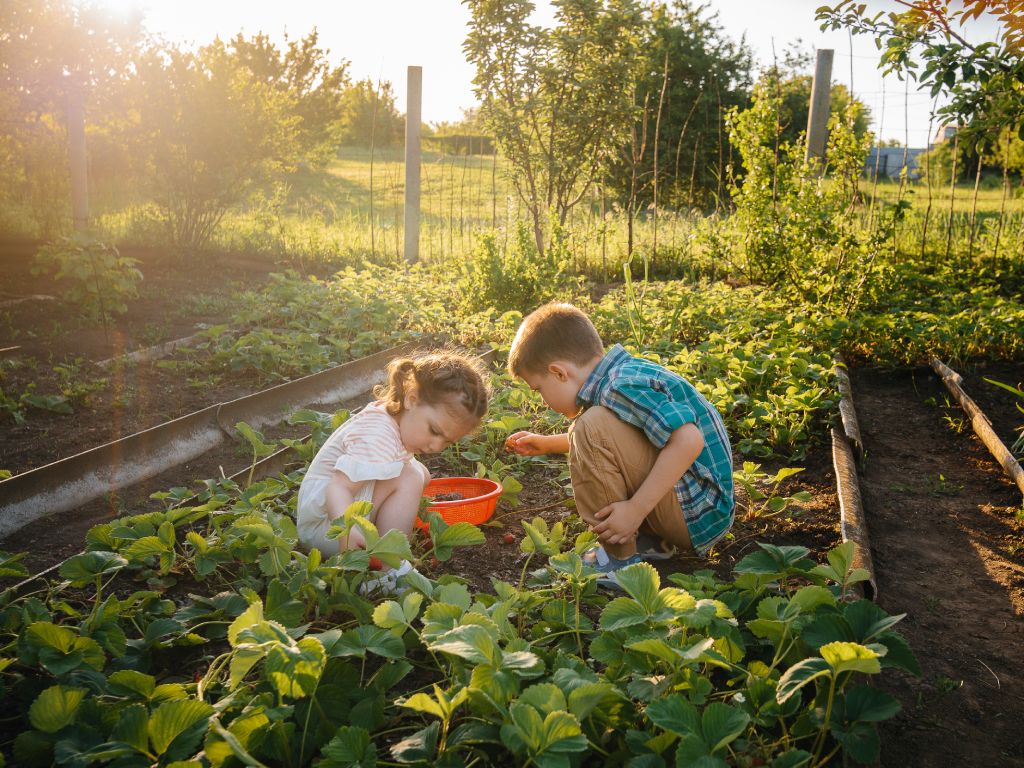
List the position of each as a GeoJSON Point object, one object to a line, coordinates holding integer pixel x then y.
{"type": "Point", "coordinates": [980, 422]}
{"type": "Point", "coordinates": [847, 449]}
{"type": "Point", "coordinates": [69, 483]}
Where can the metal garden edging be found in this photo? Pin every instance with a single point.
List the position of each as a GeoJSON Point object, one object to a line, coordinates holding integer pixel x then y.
{"type": "Point", "coordinates": [68, 483]}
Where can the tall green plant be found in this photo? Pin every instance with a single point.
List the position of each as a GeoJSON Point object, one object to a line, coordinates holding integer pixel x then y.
{"type": "Point", "coordinates": [796, 224]}
{"type": "Point", "coordinates": [95, 276]}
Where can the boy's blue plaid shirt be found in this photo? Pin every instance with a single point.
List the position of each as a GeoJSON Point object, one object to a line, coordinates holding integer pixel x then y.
{"type": "Point", "coordinates": [658, 401]}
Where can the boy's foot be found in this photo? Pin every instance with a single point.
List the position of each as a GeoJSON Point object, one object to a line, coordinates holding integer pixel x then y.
{"type": "Point", "coordinates": [648, 548]}
{"type": "Point", "coordinates": [606, 566]}
{"type": "Point", "coordinates": [387, 582]}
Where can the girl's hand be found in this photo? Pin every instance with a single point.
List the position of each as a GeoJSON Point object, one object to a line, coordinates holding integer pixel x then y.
{"type": "Point", "coordinates": [525, 444]}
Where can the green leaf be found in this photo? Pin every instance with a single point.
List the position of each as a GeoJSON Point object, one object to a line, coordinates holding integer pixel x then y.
{"type": "Point", "coordinates": [859, 741]}
{"type": "Point", "coordinates": [797, 676]}
{"type": "Point", "coordinates": [365, 639]}
{"type": "Point", "coordinates": [185, 719]}
{"type": "Point", "coordinates": [584, 699]}
{"type": "Point", "coordinates": [471, 642]}
{"type": "Point", "coordinates": [388, 615]}
{"type": "Point", "coordinates": [55, 708]}
{"type": "Point", "coordinates": [421, 702]}
{"type": "Point", "coordinates": [84, 568]}
{"type": "Point", "coordinates": [721, 724]}
{"type": "Point", "coordinates": [249, 617]}
{"type": "Point", "coordinates": [641, 582]}
{"type": "Point", "coordinates": [898, 654]}
{"type": "Point", "coordinates": [456, 535]}
{"type": "Point", "coordinates": [674, 714]}
{"type": "Point", "coordinates": [132, 683]}
{"type": "Point", "coordinates": [9, 565]}
{"type": "Point", "coordinates": [350, 748]}
{"type": "Point", "coordinates": [419, 747]}
{"type": "Point", "coordinates": [622, 612]}
{"type": "Point", "coordinates": [810, 598]}
{"type": "Point", "coordinates": [868, 704]}
{"type": "Point", "coordinates": [392, 548]}
{"type": "Point", "coordinates": [255, 440]}
{"type": "Point", "coordinates": [544, 697]}
{"type": "Point", "coordinates": [295, 670]}
{"type": "Point", "coordinates": [132, 727]}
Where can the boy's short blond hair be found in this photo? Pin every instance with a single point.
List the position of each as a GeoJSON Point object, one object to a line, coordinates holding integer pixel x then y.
{"type": "Point", "coordinates": [555, 331]}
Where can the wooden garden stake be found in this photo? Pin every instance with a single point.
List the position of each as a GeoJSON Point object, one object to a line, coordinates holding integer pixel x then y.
{"type": "Point", "coordinates": [982, 427]}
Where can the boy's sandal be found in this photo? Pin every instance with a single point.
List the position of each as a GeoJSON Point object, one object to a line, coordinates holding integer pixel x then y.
{"type": "Point", "coordinates": [648, 548]}
{"type": "Point", "coordinates": [606, 566]}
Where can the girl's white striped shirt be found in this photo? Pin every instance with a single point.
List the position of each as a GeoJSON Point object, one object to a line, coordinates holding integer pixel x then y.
{"type": "Point", "coordinates": [366, 447]}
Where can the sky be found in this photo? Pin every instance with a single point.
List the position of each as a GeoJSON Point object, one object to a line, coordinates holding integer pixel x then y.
{"type": "Point", "coordinates": [381, 38]}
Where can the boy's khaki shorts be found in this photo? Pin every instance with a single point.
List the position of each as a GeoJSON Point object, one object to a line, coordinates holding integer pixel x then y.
{"type": "Point", "coordinates": [608, 461]}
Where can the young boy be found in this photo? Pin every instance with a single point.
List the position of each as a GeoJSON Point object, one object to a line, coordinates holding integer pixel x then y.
{"type": "Point", "coordinates": [649, 457]}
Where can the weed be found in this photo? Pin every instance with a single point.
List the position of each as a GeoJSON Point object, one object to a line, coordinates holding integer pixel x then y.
{"type": "Point", "coordinates": [762, 488]}
{"type": "Point", "coordinates": [99, 279]}
{"type": "Point", "coordinates": [945, 685]}
{"type": "Point", "coordinates": [75, 385]}
{"type": "Point", "coordinates": [943, 487]}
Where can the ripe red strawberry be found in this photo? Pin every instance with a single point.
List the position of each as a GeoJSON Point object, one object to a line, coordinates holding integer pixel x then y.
{"type": "Point", "coordinates": [376, 564]}
{"type": "Point", "coordinates": [434, 562]}
{"type": "Point", "coordinates": [508, 538]}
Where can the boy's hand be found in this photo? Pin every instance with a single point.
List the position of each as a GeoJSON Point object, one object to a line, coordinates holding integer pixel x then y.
{"type": "Point", "coordinates": [525, 444]}
{"type": "Point", "coordinates": [620, 522]}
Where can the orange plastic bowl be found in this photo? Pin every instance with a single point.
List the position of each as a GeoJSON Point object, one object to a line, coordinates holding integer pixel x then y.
{"type": "Point", "coordinates": [480, 497]}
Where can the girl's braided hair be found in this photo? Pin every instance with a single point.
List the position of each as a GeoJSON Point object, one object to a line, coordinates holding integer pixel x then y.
{"type": "Point", "coordinates": [440, 377]}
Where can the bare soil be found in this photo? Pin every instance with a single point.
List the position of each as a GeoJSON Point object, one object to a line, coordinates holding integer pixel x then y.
{"type": "Point", "coordinates": [948, 544]}
{"type": "Point", "coordinates": [175, 297]}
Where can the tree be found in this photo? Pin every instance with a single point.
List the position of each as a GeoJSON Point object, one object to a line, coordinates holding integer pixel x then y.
{"type": "Point", "coordinates": [984, 81]}
{"type": "Point", "coordinates": [319, 91]}
{"type": "Point", "coordinates": [368, 114]}
{"type": "Point", "coordinates": [691, 74]}
{"type": "Point", "coordinates": [558, 101]}
{"type": "Point", "coordinates": [50, 49]}
{"type": "Point", "coordinates": [208, 134]}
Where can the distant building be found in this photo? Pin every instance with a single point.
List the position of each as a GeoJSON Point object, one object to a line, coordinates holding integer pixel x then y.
{"type": "Point", "coordinates": [888, 161]}
{"type": "Point", "coordinates": [945, 133]}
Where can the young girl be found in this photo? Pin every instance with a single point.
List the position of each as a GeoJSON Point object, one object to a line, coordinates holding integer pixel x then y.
{"type": "Point", "coordinates": [429, 402]}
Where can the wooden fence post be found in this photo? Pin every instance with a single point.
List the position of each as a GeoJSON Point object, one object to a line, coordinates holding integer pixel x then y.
{"type": "Point", "coordinates": [817, 115]}
{"type": "Point", "coordinates": [414, 97]}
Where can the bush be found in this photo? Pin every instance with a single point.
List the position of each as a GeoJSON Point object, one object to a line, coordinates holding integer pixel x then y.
{"type": "Point", "coordinates": [514, 275]}
{"type": "Point", "coordinates": [99, 280]}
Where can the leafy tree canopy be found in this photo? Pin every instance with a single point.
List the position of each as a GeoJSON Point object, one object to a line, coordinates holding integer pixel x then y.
{"type": "Point", "coordinates": [927, 41]}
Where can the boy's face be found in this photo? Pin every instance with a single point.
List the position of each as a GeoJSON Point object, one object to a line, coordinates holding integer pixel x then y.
{"type": "Point", "coordinates": [558, 386]}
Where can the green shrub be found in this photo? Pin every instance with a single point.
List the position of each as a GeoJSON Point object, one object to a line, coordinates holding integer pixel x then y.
{"type": "Point", "coordinates": [97, 278]}
{"type": "Point", "coordinates": [514, 275]}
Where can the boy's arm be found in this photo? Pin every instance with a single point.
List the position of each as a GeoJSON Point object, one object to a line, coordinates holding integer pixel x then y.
{"type": "Point", "coordinates": [532, 444]}
{"type": "Point", "coordinates": [621, 519]}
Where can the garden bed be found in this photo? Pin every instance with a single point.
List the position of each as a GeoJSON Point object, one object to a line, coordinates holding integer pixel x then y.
{"type": "Point", "coordinates": [122, 399]}
{"type": "Point", "coordinates": [947, 533]}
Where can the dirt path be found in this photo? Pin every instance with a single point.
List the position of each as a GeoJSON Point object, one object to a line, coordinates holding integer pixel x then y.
{"type": "Point", "coordinates": [947, 548]}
